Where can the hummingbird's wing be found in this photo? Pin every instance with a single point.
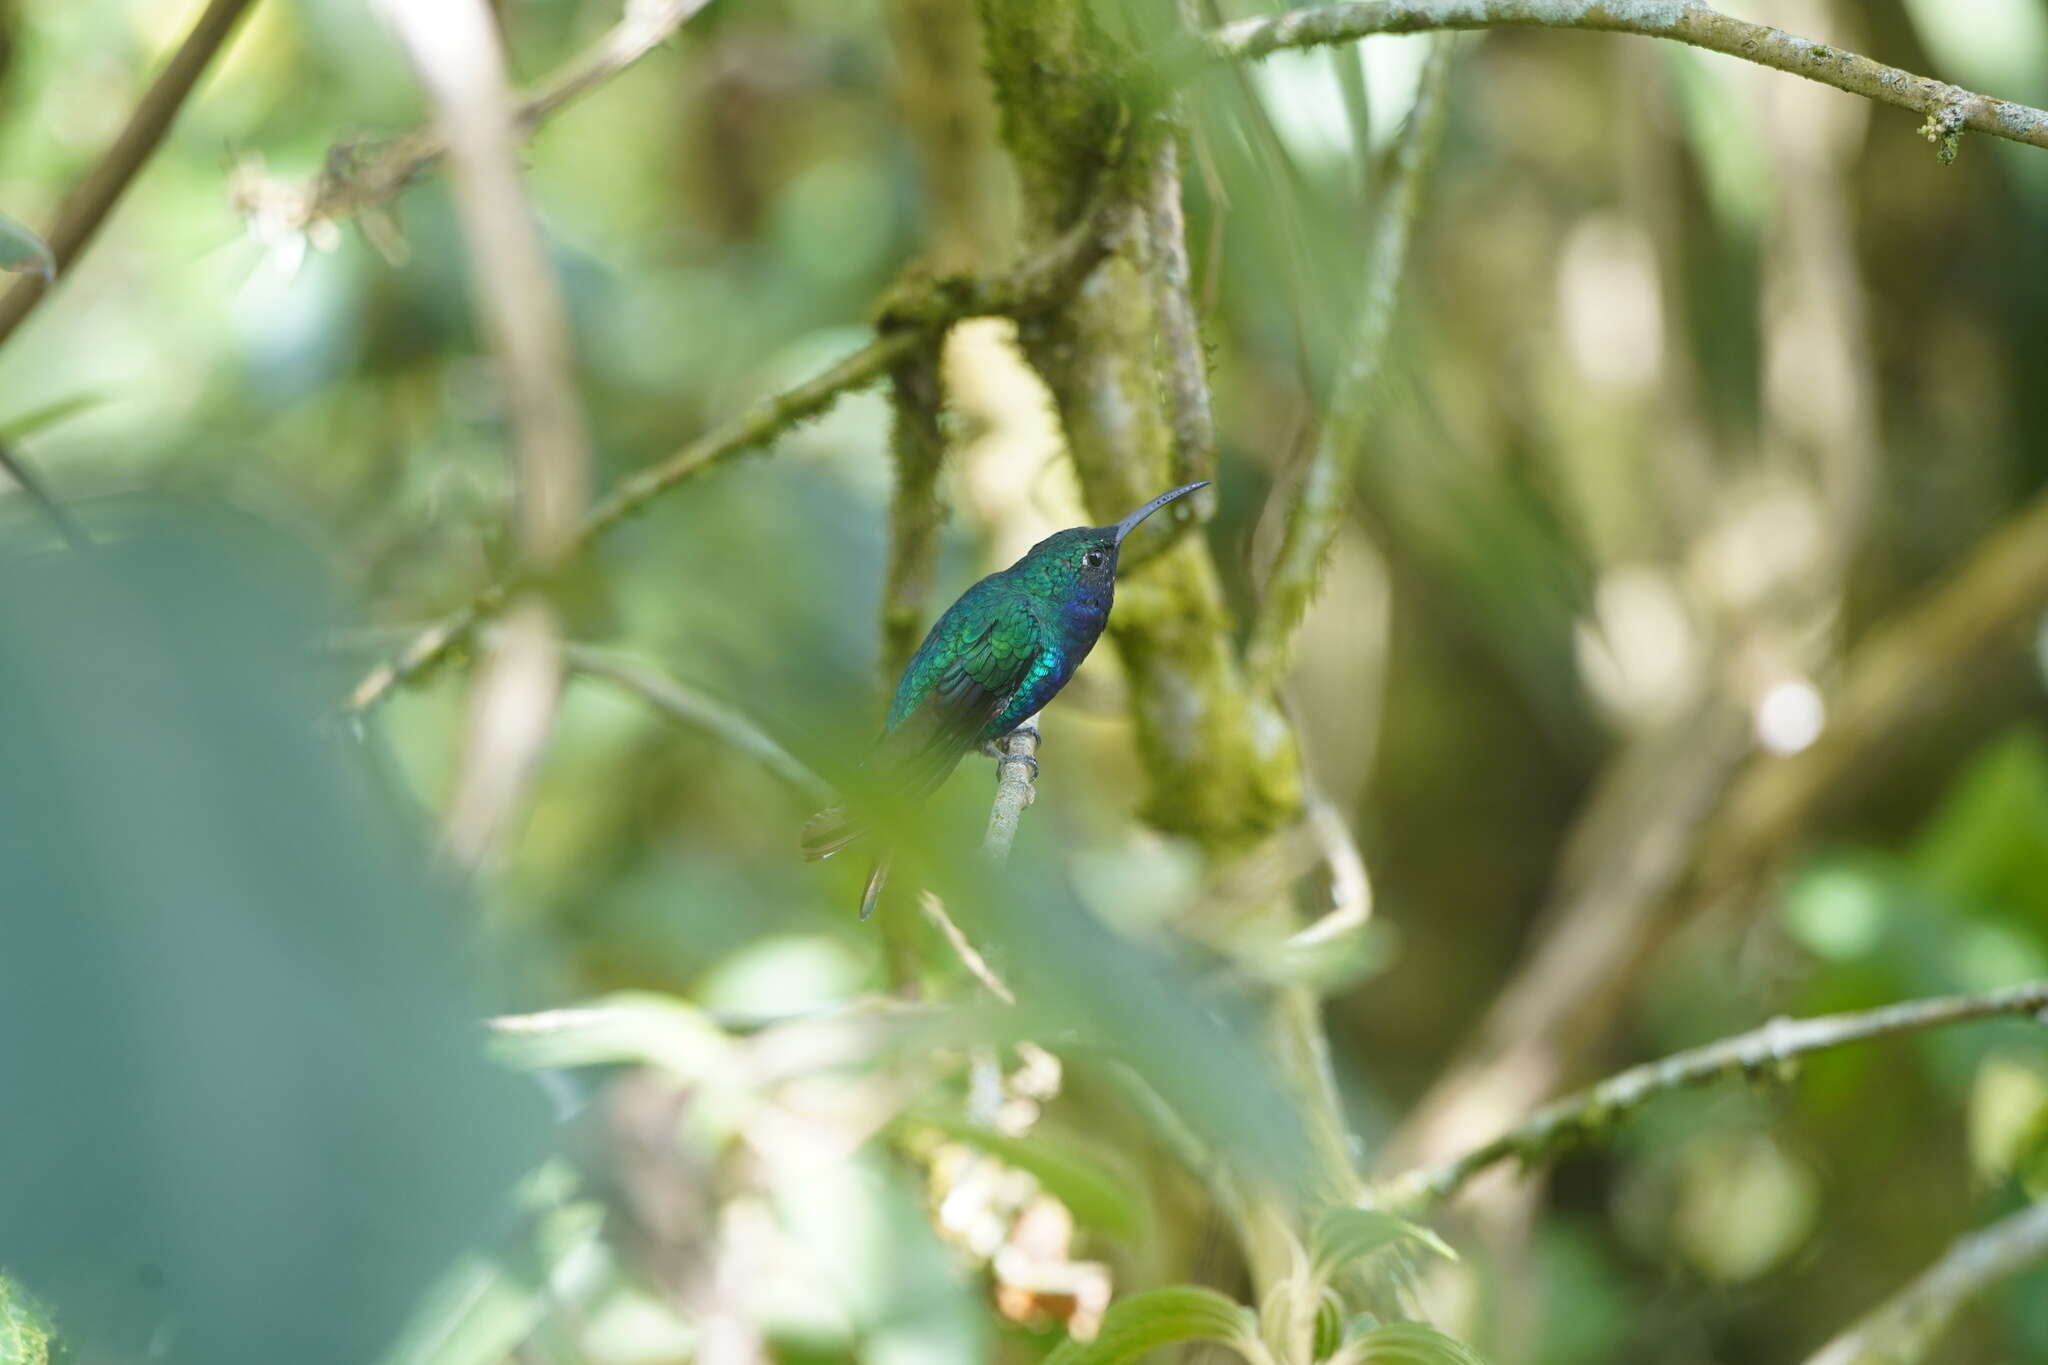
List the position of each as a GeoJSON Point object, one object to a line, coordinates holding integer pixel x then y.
{"type": "Point", "coordinates": [972, 662]}
{"type": "Point", "coordinates": [956, 686]}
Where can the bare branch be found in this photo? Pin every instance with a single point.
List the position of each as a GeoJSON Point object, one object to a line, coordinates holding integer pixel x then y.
{"type": "Point", "coordinates": [1948, 109]}
{"type": "Point", "coordinates": [1759, 1052]}
{"type": "Point", "coordinates": [360, 178]}
{"type": "Point", "coordinates": [1903, 1330]}
{"type": "Point", "coordinates": [913, 313]}
{"type": "Point", "coordinates": [970, 956]}
{"type": "Point", "coordinates": [1319, 497]}
{"type": "Point", "coordinates": [667, 695]}
{"type": "Point", "coordinates": [1016, 788]}
{"type": "Point", "coordinates": [511, 712]}
{"type": "Point", "coordinates": [1350, 886]}
{"type": "Point", "coordinates": [88, 205]}
{"type": "Point", "coordinates": [454, 48]}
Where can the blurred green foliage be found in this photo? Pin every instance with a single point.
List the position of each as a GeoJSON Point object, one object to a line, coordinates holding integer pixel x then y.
{"type": "Point", "coordinates": [251, 1115]}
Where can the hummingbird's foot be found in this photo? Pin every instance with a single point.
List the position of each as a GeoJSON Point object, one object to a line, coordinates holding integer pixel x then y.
{"type": "Point", "coordinates": [995, 748]}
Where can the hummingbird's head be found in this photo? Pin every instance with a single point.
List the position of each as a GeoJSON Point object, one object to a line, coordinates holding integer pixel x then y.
{"type": "Point", "coordinates": [1081, 563]}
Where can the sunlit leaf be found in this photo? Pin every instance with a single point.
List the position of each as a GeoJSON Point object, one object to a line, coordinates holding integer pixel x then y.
{"type": "Point", "coordinates": [1987, 844]}
{"type": "Point", "coordinates": [1161, 1317]}
{"type": "Point", "coordinates": [1409, 1343]}
{"type": "Point", "coordinates": [1098, 1196]}
{"type": "Point", "coordinates": [24, 252]}
{"type": "Point", "coordinates": [654, 1030]}
{"type": "Point", "coordinates": [1345, 1235]}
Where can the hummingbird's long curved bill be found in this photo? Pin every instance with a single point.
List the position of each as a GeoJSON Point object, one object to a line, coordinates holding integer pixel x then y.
{"type": "Point", "coordinates": [1130, 523]}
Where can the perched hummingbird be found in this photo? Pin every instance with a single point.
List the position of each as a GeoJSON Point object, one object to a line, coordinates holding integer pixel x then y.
{"type": "Point", "coordinates": [996, 657]}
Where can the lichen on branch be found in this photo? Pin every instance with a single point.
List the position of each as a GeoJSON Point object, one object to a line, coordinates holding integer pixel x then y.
{"type": "Point", "coordinates": [1222, 765]}
{"type": "Point", "coordinates": [1949, 108]}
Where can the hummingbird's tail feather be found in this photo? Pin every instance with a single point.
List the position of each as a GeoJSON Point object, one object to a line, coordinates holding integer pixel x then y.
{"type": "Point", "coordinates": [873, 895]}
{"type": "Point", "coordinates": [829, 831]}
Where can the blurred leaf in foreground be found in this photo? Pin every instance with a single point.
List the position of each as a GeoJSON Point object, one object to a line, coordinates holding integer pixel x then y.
{"type": "Point", "coordinates": [249, 1113]}
{"type": "Point", "coordinates": [1162, 1317]}
{"type": "Point", "coordinates": [22, 251]}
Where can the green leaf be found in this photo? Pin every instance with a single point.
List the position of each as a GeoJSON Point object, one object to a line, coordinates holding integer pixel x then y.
{"type": "Point", "coordinates": [1409, 1343]}
{"type": "Point", "coordinates": [481, 1309]}
{"type": "Point", "coordinates": [1985, 848]}
{"type": "Point", "coordinates": [653, 1030]}
{"type": "Point", "coordinates": [49, 415]}
{"type": "Point", "coordinates": [1098, 1196]}
{"type": "Point", "coordinates": [1344, 1235]}
{"type": "Point", "coordinates": [22, 250]}
{"type": "Point", "coordinates": [1161, 1317]}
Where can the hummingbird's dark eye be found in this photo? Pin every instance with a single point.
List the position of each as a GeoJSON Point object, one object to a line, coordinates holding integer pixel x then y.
{"type": "Point", "coordinates": [1094, 559]}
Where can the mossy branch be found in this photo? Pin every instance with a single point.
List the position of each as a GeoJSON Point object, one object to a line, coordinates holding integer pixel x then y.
{"type": "Point", "coordinates": [1183, 363]}
{"type": "Point", "coordinates": [1761, 1052]}
{"type": "Point", "coordinates": [917, 442]}
{"type": "Point", "coordinates": [1904, 1329]}
{"type": "Point", "coordinates": [1222, 769]}
{"type": "Point", "coordinates": [1948, 109]}
{"type": "Point", "coordinates": [1318, 504]}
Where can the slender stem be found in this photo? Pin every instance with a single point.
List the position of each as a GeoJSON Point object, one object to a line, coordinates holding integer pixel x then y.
{"type": "Point", "coordinates": [94, 198]}
{"type": "Point", "coordinates": [667, 695]}
{"type": "Point", "coordinates": [1016, 788]}
{"type": "Point", "coordinates": [358, 179]}
{"type": "Point", "coordinates": [1760, 1051]}
{"type": "Point", "coordinates": [970, 956]}
{"type": "Point", "coordinates": [455, 51]}
{"type": "Point", "coordinates": [1319, 497]}
{"type": "Point", "coordinates": [1949, 109]}
{"type": "Point", "coordinates": [1904, 1328]}
{"type": "Point", "coordinates": [24, 474]}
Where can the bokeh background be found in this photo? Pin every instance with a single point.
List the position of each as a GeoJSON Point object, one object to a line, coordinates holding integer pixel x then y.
{"type": "Point", "coordinates": [1705, 385]}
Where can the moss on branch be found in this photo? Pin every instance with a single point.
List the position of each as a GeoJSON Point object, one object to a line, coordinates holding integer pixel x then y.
{"type": "Point", "coordinates": [1222, 765]}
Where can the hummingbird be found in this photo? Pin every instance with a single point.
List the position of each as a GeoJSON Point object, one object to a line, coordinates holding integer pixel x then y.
{"type": "Point", "coordinates": [990, 663]}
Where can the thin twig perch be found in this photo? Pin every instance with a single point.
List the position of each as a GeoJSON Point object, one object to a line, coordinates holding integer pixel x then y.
{"type": "Point", "coordinates": [1016, 788]}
